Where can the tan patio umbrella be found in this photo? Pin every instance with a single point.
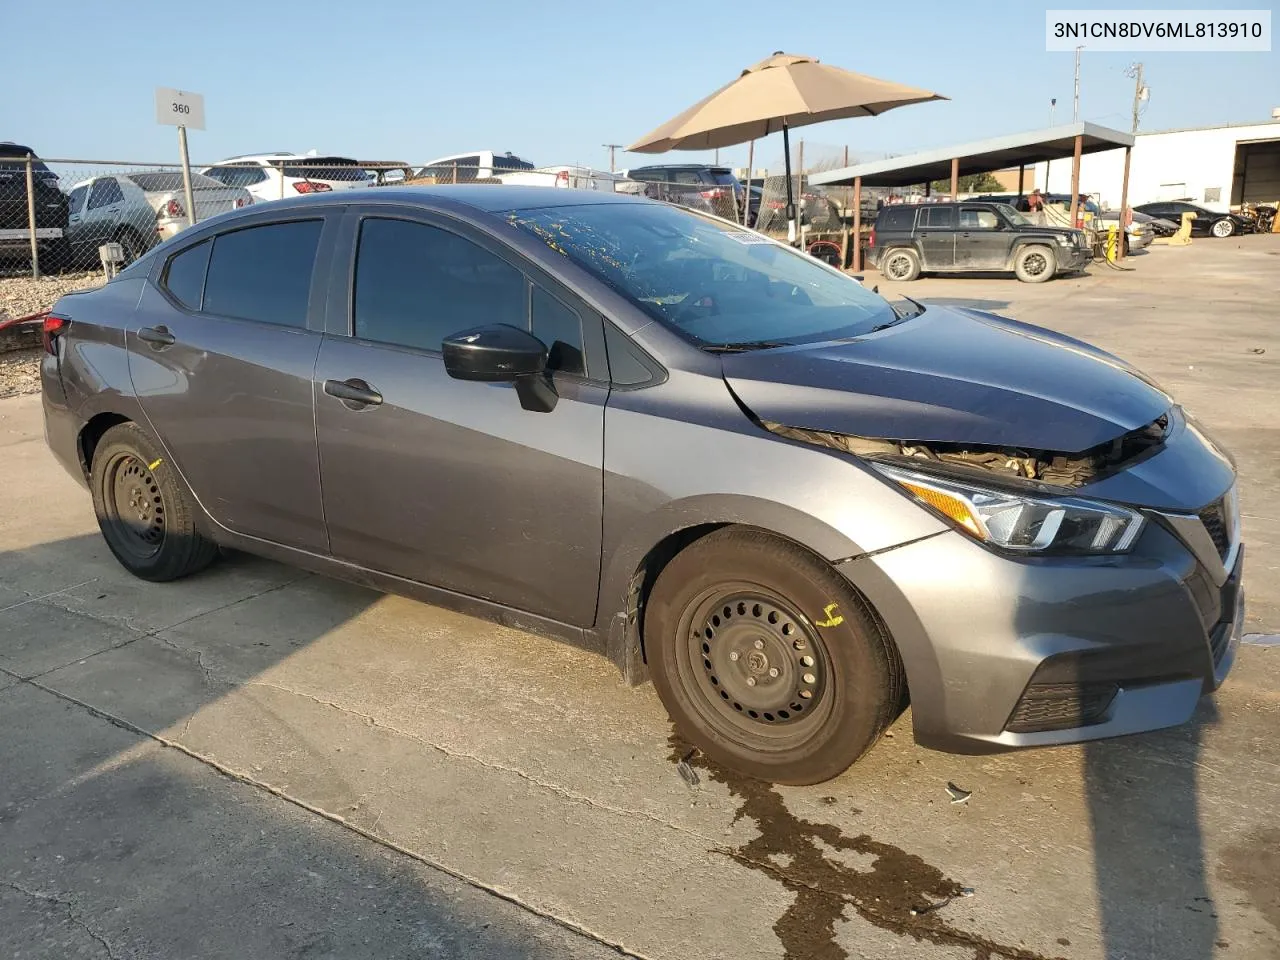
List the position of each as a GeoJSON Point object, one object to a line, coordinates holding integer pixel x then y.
{"type": "Point", "coordinates": [781, 92]}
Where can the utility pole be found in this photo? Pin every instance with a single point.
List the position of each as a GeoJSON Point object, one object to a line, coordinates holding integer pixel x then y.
{"type": "Point", "coordinates": [1140, 92]}
{"type": "Point", "coordinates": [1075, 110]}
{"type": "Point", "coordinates": [612, 147]}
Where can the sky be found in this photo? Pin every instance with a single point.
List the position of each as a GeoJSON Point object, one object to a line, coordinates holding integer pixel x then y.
{"type": "Point", "coordinates": [553, 81]}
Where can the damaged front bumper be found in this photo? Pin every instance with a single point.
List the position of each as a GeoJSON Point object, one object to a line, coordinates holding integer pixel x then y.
{"type": "Point", "coordinates": [1005, 653]}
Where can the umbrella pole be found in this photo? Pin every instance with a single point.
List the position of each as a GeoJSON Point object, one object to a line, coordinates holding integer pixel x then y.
{"type": "Point", "coordinates": [746, 203]}
{"type": "Point", "coordinates": [791, 197]}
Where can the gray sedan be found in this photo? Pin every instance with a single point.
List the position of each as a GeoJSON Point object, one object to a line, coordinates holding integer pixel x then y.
{"type": "Point", "coordinates": [647, 431]}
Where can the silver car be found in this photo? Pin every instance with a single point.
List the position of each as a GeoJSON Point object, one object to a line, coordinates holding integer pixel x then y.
{"type": "Point", "coordinates": [716, 461]}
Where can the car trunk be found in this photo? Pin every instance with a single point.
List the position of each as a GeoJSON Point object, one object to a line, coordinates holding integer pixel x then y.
{"type": "Point", "coordinates": [211, 197]}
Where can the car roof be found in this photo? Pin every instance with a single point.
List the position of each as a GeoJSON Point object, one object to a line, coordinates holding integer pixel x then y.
{"type": "Point", "coordinates": [487, 198]}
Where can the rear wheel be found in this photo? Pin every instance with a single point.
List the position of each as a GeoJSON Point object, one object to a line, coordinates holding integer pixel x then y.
{"type": "Point", "coordinates": [901, 264]}
{"type": "Point", "coordinates": [1223, 228]}
{"type": "Point", "coordinates": [144, 512]}
{"type": "Point", "coordinates": [767, 659]}
{"type": "Point", "coordinates": [1035, 264]}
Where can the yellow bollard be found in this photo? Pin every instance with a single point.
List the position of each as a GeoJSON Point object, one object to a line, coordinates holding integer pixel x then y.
{"type": "Point", "coordinates": [1111, 244]}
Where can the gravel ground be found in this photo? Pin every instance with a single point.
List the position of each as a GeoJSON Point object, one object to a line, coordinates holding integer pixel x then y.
{"type": "Point", "coordinates": [19, 297]}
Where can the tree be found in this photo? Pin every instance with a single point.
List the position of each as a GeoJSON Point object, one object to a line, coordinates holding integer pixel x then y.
{"type": "Point", "coordinates": [970, 183]}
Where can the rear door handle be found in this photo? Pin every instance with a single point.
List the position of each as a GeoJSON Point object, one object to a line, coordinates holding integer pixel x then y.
{"type": "Point", "coordinates": [353, 390]}
{"type": "Point", "coordinates": [158, 336]}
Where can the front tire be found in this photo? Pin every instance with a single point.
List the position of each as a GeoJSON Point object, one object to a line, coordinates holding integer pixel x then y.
{"type": "Point", "coordinates": [145, 513]}
{"type": "Point", "coordinates": [768, 660]}
{"type": "Point", "coordinates": [901, 265]}
{"type": "Point", "coordinates": [1223, 228]}
{"type": "Point", "coordinates": [1035, 264]}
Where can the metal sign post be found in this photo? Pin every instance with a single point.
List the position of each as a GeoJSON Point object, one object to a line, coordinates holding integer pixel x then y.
{"type": "Point", "coordinates": [182, 109]}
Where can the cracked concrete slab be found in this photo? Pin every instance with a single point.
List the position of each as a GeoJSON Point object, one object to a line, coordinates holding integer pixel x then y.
{"type": "Point", "coordinates": [117, 847]}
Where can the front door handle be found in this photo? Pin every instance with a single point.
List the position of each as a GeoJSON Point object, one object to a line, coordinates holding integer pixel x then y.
{"type": "Point", "coordinates": [353, 391]}
{"type": "Point", "coordinates": [157, 336]}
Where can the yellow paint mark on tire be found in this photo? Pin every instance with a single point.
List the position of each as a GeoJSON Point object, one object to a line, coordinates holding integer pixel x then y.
{"type": "Point", "coordinates": [834, 619]}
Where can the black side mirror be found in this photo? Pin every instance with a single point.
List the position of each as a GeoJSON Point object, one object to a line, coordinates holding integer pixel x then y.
{"type": "Point", "coordinates": [501, 353]}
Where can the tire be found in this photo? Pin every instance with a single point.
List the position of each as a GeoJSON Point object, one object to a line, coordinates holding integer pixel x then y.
{"type": "Point", "coordinates": [768, 660]}
{"type": "Point", "coordinates": [131, 245]}
{"type": "Point", "coordinates": [1035, 264]}
{"type": "Point", "coordinates": [900, 264]}
{"type": "Point", "coordinates": [1223, 228]}
{"type": "Point", "coordinates": [144, 511]}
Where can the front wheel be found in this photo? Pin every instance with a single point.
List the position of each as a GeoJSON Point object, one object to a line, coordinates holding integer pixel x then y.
{"type": "Point", "coordinates": [144, 511]}
{"type": "Point", "coordinates": [768, 660]}
{"type": "Point", "coordinates": [1035, 264]}
{"type": "Point", "coordinates": [1223, 228]}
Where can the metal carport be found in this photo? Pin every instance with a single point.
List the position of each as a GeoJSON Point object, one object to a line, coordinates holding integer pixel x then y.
{"type": "Point", "coordinates": [998, 153]}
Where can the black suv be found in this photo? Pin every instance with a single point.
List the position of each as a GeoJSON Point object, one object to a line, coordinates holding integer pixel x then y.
{"type": "Point", "coordinates": [693, 185]}
{"type": "Point", "coordinates": [51, 208]}
{"type": "Point", "coordinates": [910, 239]}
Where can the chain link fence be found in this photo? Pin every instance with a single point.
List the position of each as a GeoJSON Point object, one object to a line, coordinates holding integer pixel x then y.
{"type": "Point", "coordinates": [74, 220]}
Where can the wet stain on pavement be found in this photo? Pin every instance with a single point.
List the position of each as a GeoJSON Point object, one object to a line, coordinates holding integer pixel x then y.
{"type": "Point", "coordinates": [900, 892]}
{"type": "Point", "coordinates": [1252, 866]}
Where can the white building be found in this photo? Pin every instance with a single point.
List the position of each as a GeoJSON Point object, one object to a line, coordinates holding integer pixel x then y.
{"type": "Point", "coordinates": [1218, 167]}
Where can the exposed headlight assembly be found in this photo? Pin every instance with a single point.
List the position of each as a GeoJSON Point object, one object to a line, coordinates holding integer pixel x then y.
{"type": "Point", "coordinates": [1028, 523]}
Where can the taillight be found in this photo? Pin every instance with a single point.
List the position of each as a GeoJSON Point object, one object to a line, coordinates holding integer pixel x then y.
{"type": "Point", "coordinates": [715, 194]}
{"type": "Point", "coordinates": [50, 329]}
{"type": "Point", "coordinates": [174, 209]}
{"type": "Point", "coordinates": [871, 239]}
{"type": "Point", "coordinates": [306, 186]}
{"type": "Point", "coordinates": [243, 202]}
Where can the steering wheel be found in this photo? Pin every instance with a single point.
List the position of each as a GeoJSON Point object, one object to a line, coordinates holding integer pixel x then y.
{"type": "Point", "coordinates": [703, 301]}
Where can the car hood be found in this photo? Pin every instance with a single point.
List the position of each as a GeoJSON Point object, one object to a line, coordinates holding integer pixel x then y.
{"type": "Point", "coordinates": [951, 375]}
{"type": "Point", "coordinates": [1034, 228]}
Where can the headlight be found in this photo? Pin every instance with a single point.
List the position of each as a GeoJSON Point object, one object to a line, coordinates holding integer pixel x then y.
{"type": "Point", "coordinates": [1028, 523]}
{"type": "Point", "coordinates": [1066, 239]}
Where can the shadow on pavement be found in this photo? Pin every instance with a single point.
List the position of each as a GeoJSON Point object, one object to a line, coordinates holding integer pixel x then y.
{"type": "Point", "coordinates": [1149, 858]}
{"type": "Point", "coordinates": [114, 845]}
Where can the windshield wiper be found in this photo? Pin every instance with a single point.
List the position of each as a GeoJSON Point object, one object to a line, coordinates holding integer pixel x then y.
{"type": "Point", "coordinates": [743, 346]}
{"type": "Point", "coordinates": [903, 315]}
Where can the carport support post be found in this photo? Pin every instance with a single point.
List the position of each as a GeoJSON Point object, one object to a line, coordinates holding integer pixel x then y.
{"type": "Point", "coordinates": [955, 177]}
{"type": "Point", "coordinates": [857, 224]}
{"type": "Point", "coordinates": [1022, 169]}
{"type": "Point", "coordinates": [1124, 203]}
{"type": "Point", "coordinates": [1075, 178]}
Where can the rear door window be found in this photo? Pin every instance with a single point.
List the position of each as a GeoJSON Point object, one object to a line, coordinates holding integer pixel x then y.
{"type": "Point", "coordinates": [184, 274]}
{"type": "Point", "coordinates": [938, 217]}
{"type": "Point", "coordinates": [263, 273]}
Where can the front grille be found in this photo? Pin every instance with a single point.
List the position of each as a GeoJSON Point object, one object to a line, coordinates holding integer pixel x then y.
{"type": "Point", "coordinates": [1060, 706]}
{"type": "Point", "coordinates": [1214, 518]}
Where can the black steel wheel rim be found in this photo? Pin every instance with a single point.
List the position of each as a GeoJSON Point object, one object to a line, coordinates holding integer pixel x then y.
{"type": "Point", "coordinates": [757, 669]}
{"type": "Point", "coordinates": [1035, 263]}
{"type": "Point", "coordinates": [135, 512]}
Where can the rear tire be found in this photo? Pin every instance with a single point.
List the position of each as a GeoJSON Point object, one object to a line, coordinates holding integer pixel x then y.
{"type": "Point", "coordinates": [144, 511]}
{"type": "Point", "coordinates": [901, 265]}
{"type": "Point", "coordinates": [1035, 264]}
{"type": "Point", "coordinates": [768, 660]}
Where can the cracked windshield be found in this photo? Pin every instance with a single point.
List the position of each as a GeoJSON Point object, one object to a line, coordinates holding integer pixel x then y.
{"type": "Point", "coordinates": [718, 284]}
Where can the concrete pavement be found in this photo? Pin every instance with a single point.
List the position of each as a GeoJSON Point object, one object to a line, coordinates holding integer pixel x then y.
{"type": "Point", "coordinates": [262, 763]}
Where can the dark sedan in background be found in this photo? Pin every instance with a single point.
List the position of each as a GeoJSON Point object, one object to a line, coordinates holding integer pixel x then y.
{"type": "Point", "coordinates": [1207, 223]}
{"type": "Point", "coordinates": [710, 457]}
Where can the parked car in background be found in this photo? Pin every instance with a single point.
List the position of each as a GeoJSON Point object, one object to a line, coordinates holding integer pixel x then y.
{"type": "Point", "coordinates": [1140, 232]}
{"type": "Point", "coordinates": [695, 185]}
{"type": "Point", "coordinates": [276, 176]}
{"type": "Point", "coordinates": [1208, 223]}
{"type": "Point", "coordinates": [51, 209]}
{"type": "Point", "coordinates": [733, 469]}
{"type": "Point", "coordinates": [570, 177]}
{"type": "Point", "coordinates": [476, 165]}
{"type": "Point", "coordinates": [971, 236]}
{"type": "Point", "coordinates": [139, 210]}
